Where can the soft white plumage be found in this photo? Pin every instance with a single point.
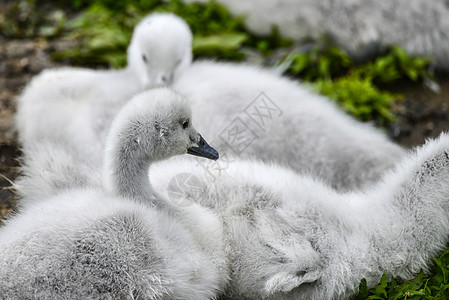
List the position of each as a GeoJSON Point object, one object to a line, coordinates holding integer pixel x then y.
{"type": "Point", "coordinates": [297, 128]}
{"type": "Point", "coordinates": [285, 123]}
{"type": "Point", "coordinates": [80, 103]}
{"type": "Point", "coordinates": [283, 230]}
{"type": "Point", "coordinates": [315, 136]}
{"type": "Point", "coordinates": [123, 240]}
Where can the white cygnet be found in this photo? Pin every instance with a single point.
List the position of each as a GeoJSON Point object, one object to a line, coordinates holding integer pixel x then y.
{"type": "Point", "coordinates": [249, 112]}
{"type": "Point", "coordinates": [121, 240]}
{"type": "Point", "coordinates": [253, 112]}
{"type": "Point", "coordinates": [290, 236]}
{"type": "Point", "coordinates": [80, 103]}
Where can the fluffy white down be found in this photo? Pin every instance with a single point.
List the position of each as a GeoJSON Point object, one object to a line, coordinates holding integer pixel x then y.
{"type": "Point", "coordinates": [300, 129]}
{"type": "Point", "coordinates": [362, 27]}
{"type": "Point", "coordinates": [283, 229]}
{"type": "Point", "coordinates": [303, 130]}
{"type": "Point", "coordinates": [80, 240]}
{"type": "Point", "coordinates": [311, 135]}
{"type": "Point", "coordinates": [77, 105]}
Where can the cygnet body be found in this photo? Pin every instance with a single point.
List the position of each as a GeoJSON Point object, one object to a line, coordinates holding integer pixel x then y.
{"type": "Point", "coordinates": [292, 237]}
{"type": "Point", "coordinates": [249, 111]}
{"type": "Point", "coordinates": [121, 240]}
{"type": "Point", "coordinates": [81, 103]}
{"type": "Point", "coordinates": [289, 235]}
{"type": "Point", "coordinates": [253, 112]}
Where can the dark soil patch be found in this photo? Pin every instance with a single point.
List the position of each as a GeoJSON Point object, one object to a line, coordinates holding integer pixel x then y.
{"type": "Point", "coordinates": [20, 60]}
{"type": "Point", "coordinates": [422, 113]}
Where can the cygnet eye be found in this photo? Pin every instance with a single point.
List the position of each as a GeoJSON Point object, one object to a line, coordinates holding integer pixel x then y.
{"type": "Point", "coordinates": [178, 62]}
{"type": "Point", "coordinates": [185, 124]}
{"type": "Point", "coordinates": [144, 58]}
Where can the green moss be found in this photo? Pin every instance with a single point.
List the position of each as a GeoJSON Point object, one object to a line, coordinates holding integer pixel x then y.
{"type": "Point", "coordinates": [357, 87]}
{"type": "Point", "coordinates": [395, 64]}
{"type": "Point", "coordinates": [323, 61]}
{"type": "Point", "coordinates": [105, 30]}
{"type": "Point", "coordinates": [105, 36]}
{"type": "Point", "coordinates": [267, 44]}
{"type": "Point", "coordinates": [423, 286]}
{"type": "Point", "coordinates": [225, 45]}
{"type": "Point", "coordinates": [326, 61]}
{"type": "Point", "coordinates": [359, 97]}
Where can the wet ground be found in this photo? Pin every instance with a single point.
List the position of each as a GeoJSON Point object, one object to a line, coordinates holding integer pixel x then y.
{"type": "Point", "coordinates": [20, 60]}
{"type": "Point", "coordinates": [422, 113]}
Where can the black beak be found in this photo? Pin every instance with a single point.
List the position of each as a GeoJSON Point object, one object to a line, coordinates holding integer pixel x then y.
{"type": "Point", "coordinates": [204, 150]}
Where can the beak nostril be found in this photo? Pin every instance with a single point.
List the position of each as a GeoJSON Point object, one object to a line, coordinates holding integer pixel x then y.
{"type": "Point", "coordinates": [301, 273]}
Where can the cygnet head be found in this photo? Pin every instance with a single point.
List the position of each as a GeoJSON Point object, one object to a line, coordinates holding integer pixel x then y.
{"type": "Point", "coordinates": [154, 125]}
{"type": "Point", "coordinates": [158, 123]}
{"type": "Point", "coordinates": [161, 45]}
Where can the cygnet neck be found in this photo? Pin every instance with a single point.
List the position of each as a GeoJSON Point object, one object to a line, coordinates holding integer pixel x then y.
{"type": "Point", "coordinates": [126, 171]}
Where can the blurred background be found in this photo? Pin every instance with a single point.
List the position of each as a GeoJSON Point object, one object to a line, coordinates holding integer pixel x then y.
{"type": "Point", "coordinates": [403, 93]}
